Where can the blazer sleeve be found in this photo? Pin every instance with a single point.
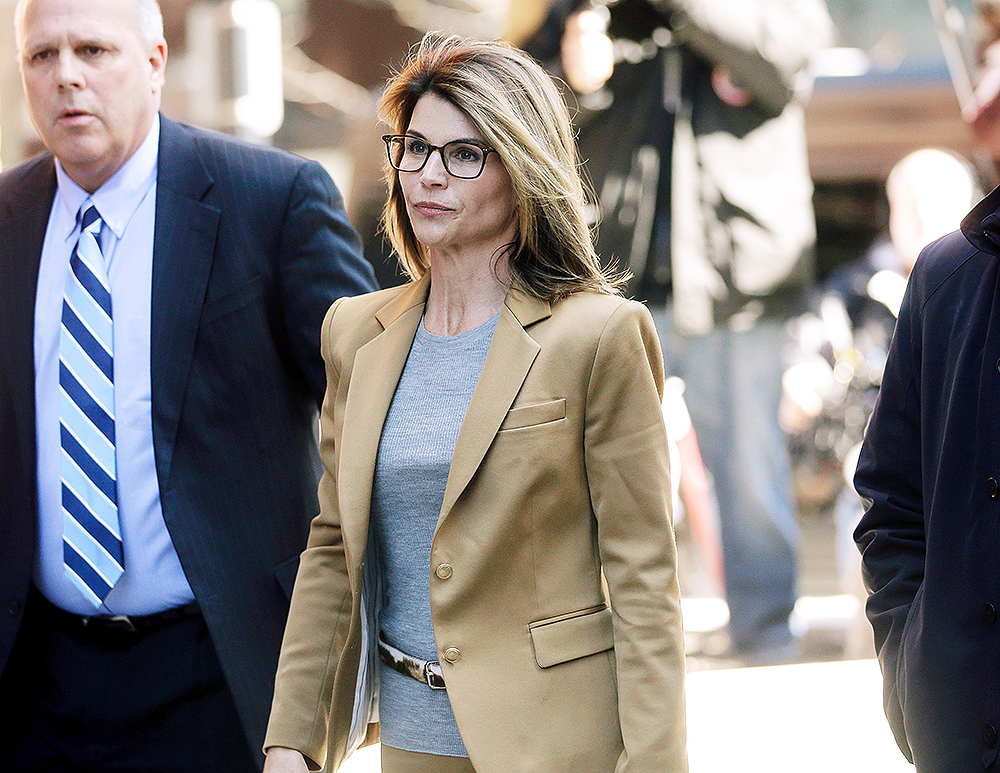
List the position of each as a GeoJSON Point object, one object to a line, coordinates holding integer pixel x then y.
{"type": "Point", "coordinates": [321, 260]}
{"type": "Point", "coordinates": [627, 462]}
{"type": "Point", "coordinates": [321, 607]}
{"type": "Point", "coordinates": [891, 535]}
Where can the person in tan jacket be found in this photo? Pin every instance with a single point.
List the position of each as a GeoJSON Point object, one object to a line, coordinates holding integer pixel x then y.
{"type": "Point", "coordinates": [492, 578]}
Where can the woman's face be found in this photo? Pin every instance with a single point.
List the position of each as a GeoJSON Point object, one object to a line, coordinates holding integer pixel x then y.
{"type": "Point", "coordinates": [451, 214]}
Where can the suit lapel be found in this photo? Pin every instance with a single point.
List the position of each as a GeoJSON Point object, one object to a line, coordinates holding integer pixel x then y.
{"type": "Point", "coordinates": [375, 374]}
{"type": "Point", "coordinates": [184, 240]}
{"type": "Point", "coordinates": [511, 354]}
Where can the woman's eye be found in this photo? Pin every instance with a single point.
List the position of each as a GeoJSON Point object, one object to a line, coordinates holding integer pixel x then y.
{"type": "Point", "coordinates": [419, 147]}
{"type": "Point", "coordinates": [465, 153]}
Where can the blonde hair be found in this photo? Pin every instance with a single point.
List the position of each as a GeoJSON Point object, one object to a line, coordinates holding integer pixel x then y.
{"type": "Point", "coordinates": [516, 107]}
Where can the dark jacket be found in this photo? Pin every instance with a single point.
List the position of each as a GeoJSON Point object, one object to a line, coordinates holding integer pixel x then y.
{"type": "Point", "coordinates": [929, 472]}
{"type": "Point", "coordinates": [251, 246]}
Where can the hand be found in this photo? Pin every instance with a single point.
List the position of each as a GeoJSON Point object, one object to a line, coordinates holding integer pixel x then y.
{"type": "Point", "coordinates": [728, 90]}
{"type": "Point", "coordinates": [282, 760]}
{"type": "Point", "coordinates": [588, 56]}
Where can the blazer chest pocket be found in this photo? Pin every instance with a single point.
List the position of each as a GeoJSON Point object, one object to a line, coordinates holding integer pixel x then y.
{"type": "Point", "coordinates": [568, 637]}
{"type": "Point", "coordinates": [535, 414]}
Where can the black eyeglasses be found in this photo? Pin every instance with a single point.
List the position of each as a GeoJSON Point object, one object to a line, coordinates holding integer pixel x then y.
{"type": "Point", "coordinates": [461, 158]}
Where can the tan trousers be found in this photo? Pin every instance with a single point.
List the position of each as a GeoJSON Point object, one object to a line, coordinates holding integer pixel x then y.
{"type": "Point", "coordinates": [399, 761]}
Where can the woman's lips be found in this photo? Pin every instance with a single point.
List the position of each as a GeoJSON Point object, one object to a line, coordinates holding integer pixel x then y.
{"type": "Point", "coordinates": [430, 208]}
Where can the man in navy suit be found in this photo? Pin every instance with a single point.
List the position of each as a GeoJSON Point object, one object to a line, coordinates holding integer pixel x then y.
{"type": "Point", "coordinates": [221, 260]}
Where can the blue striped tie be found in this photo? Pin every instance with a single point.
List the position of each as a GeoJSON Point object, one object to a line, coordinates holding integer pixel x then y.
{"type": "Point", "coordinates": [92, 543]}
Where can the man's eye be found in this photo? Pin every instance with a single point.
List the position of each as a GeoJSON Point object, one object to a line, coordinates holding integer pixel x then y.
{"type": "Point", "coordinates": [41, 56]}
{"type": "Point", "coordinates": [90, 51]}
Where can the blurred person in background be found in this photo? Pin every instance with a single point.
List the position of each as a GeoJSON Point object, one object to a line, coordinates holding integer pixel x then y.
{"type": "Point", "coordinates": [691, 127]}
{"type": "Point", "coordinates": [831, 390]}
{"type": "Point", "coordinates": [496, 519]}
{"type": "Point", "coordinates": [163, 290]}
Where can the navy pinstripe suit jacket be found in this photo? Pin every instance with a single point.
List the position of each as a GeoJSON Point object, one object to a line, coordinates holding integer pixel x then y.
{"type": "Point", "coordinates": [251, 246]}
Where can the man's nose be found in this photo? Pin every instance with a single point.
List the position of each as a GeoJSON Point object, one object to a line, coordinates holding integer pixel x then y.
{"type": "Point", "coordinates": [69, 72]}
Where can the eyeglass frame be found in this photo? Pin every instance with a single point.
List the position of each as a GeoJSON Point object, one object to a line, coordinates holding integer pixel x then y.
{"type": "Point", "coordinates": [388, 138]}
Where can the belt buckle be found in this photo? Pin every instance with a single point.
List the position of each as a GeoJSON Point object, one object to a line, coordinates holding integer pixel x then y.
{"type": "Point", "coordinates": [122, 623]}
{"type": "Point", "coordinates": [433, 675]}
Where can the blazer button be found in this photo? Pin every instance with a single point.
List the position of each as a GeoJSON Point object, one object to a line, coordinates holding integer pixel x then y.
{"type": "Point", "coordinates": [989, 735]}
{"type": "Point", "coordinates": [443, 571]}
{"type": "Point", "coordinates": [452, 654]}
{"type": "Point", "coordinates": [993, 487]}
{"type": "Point", "coordinates": [14, 607]}
{"type": "Point", "coordinates": [989, 613]}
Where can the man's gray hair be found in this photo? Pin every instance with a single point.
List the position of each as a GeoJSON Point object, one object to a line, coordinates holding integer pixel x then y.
{"type": "Point", "coordinates": [147, 13]}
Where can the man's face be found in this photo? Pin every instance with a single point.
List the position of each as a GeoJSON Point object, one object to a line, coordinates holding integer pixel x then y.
{"type": "Point", "coordinates": [92, 85]}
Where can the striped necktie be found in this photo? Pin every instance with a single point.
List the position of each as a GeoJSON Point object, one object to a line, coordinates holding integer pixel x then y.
{"type": "Point", "coordinates": [92, 543]}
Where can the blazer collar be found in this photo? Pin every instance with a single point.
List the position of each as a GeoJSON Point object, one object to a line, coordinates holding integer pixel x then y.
{"type": "Point", "coordinates": [525, 308]}
{"type": "Point", "coordinates": [377, 368]}
{"type": "Point", "coordinates": [412, 295]}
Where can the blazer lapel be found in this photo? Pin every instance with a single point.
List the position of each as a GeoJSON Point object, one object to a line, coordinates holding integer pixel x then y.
{"type": "Point", "coordinates": [184, 240]}
{"type": "Point", "coordinates": [511, 354]}
{"type": "Point", "coordinates": [375, 374]}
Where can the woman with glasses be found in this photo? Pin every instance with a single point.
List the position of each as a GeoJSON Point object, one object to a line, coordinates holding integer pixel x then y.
{"type": "Point", "coordinates": [492, 578]}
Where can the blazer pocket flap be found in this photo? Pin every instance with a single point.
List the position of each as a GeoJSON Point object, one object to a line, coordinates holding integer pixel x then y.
{"type": "Point", "coordinates": [538, 413]}
{"type": "Point", "coordinates": [567, 638]}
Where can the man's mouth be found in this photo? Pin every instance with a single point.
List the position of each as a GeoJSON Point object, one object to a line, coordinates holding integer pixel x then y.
{"type": "Point", "coordinates": [73, 116]}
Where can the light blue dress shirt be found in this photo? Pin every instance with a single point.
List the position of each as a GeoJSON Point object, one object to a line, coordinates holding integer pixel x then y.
{"type": "Point", "coordinates": [153, 579]}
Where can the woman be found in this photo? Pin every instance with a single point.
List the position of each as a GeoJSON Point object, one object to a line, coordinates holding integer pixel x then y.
{"type": "Point", "coordinates": [493, 445]}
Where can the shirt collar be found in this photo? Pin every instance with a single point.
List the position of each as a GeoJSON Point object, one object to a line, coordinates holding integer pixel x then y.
{"type": "Point", "coordinates": [119, 198]}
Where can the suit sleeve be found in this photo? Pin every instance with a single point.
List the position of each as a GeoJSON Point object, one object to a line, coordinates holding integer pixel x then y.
{"type": "Point", "coordinates": [320, 613]}
{"type": "Point", "coordinates": [891, 535]}
{"type": "Point", "coordinates": [321, 260]}
{"type": "Point", "coordinates": [627, 469]}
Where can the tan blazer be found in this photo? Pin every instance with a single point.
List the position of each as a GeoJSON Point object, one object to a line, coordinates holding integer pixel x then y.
{"type": "Point", "coordinates": [560, 476]}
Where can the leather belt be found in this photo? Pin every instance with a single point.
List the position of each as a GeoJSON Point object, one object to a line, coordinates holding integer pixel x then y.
{"type": "Point", "coordinates": [111, 627]}
{"type": "Point", "coordinates": [426, 671]}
